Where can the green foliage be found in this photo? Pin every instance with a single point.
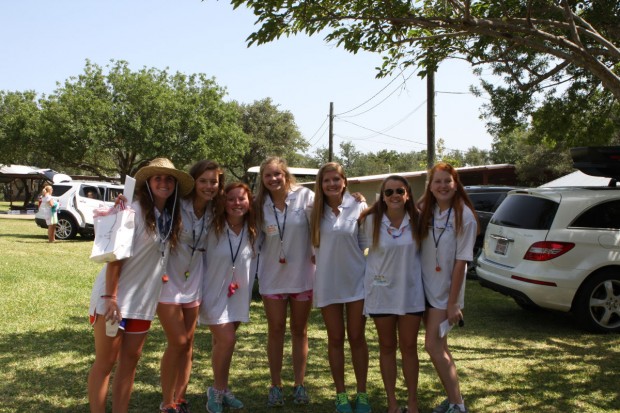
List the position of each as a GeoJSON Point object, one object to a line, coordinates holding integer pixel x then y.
{"type": "Point", "coordinates": [507, 358]}
{"type": "Point", "coordinates": [270, 132]}
{"type": "Point", "coordinates": [19, 114]}
{"type": "Point", "coordinates": [540, 52]}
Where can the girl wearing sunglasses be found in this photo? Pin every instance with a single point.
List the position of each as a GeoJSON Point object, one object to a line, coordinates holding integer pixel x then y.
{"type": "Point", "coordinates": [394, 295]}
{"type": "Point", "coordinates": [448, 228]}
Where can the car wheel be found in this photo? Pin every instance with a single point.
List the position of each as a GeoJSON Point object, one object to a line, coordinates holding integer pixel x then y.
{"type": "Point", "coordinates": [598, 302]}
{"type": "Point", "coordinates": [66, 228]}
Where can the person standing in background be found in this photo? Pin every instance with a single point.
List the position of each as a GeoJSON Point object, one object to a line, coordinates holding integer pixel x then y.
{"type": "Point", "coordinates": [393, 285]}
{"type": "Point", "coordinates": [285, 271]}
{"type": "Point", "coordinates": [339, 280]}
{"type": "Point", "coordinates": [49, 206]}
{"type": "Point", "coordinates": [448, 229]}
{"type": "Point", "coordinates": [181, 296]}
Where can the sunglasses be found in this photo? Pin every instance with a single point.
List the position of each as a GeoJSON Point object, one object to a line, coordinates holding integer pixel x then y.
{"type": "Point", "coordinates": [389, 192]}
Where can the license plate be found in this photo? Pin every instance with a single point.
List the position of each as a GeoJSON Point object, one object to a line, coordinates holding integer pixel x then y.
{"type": "Point", "coordinates": [501, 246]}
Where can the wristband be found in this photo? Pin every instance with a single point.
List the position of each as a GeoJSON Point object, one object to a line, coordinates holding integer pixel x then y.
{"type": "Point", "coordinates": [107, 296]}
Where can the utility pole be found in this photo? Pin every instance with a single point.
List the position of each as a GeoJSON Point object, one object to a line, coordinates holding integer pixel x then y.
{"type": "Point", "coordinates": [430, 117]}
{"type": "Point", "coordinates": [330, 153]}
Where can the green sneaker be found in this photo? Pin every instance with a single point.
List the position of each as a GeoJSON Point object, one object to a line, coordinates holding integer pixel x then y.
{"type": "Point", "coordinates": [342, 403]}
{"type": "Point", "coordinates": [231, 401]}
{"type": "Point", "coordinates": [361, 403]}
{"type": "Point", "coordinates": [276, 399]}
{"type": "Point", "coordinates": [443, 407]}
{"type": "Point", "coordinates": [456, 409]}
{"type": "Point", "coordinates": [215, 399]}
{"type": "Point", "coordinates": [299, 395]}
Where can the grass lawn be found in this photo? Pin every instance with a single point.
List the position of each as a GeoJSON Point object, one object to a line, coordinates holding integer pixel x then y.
{"type": "Point", "coordinates": [508, 359]}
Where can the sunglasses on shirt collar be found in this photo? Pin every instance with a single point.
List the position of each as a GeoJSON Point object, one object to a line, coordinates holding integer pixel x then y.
{"type": "Point", "coordinates": [389, 192]}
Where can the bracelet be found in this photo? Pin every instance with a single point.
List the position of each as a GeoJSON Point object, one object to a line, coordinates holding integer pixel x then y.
{"type": "Point", "coordinates": [107, 296]}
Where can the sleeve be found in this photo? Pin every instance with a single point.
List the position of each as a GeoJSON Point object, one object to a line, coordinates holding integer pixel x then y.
{"type": "Point", "coordinates": [466, 238]}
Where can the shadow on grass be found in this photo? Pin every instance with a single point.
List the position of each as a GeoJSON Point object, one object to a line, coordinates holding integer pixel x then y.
{"type": "Point", "coordinates": [508, 360]}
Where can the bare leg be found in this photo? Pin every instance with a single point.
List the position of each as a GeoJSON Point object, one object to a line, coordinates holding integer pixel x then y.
{"type": "Point", "coordinates": [334, 323]}
{"type": "Point", "coordinates": [122, 385]}
{"type": "Point", "coordinates": [408, 327]}
{"type": "Point", "coordinates": [300, 311]}
{"type": "Point", "coordinates": [356, 332]}
{"type": "Point", "coordinates": [275, 311]}
{"type": "Point", "coordinates": [386, 330]}
{"type": "Point", "coordinates": [106, 353]}
{"type": "Point", "coordinates": [224, 339]}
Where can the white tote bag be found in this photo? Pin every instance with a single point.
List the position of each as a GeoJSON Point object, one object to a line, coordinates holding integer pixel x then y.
{"type": "Point", "coordinates": [114, 228]}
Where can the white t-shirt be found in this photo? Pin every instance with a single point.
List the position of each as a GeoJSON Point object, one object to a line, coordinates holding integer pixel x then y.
{"type": "Point", "coordinates": [393, 278]}
{"type": "Point", "coordinates": [140, 281]}
{"type": "Point", "coordinates": [181, 289]}
{"type": "Point", "coordinates": [46, 208]}
{"type": "Point", "coordinates": [216, 306]}
{"type": "Point", "coordinates": [340, 262]}
{"type": "Point", "coordinates": [297, 274]}
{"type": "Point", "coordinates": [450, 247]}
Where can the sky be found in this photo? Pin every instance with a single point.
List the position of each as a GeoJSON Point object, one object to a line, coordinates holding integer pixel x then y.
{"type": "Point", "coordinates": [46, 42]}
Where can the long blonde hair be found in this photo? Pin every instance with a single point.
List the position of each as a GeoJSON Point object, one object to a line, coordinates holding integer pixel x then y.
{"type": "Point", "coordinates": [262, 193]}
{"type": "Point", "coordinates": [319, 199]}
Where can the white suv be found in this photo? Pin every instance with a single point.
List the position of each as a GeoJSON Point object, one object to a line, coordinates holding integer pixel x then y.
{"type": "Point", "coordinates": [77, 201]}
{"type": "Point", "coordinates": [559, 248]}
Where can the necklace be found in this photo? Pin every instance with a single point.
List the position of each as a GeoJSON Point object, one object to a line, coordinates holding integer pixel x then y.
{"type": "Point", "coordinates": [233, 286]}
{"type": "Point", "coordinates": [437, 239]}
{"type": "Point", "coordinates": [195, 241]}
{"type": "Point", "coordinates": [282, 259]}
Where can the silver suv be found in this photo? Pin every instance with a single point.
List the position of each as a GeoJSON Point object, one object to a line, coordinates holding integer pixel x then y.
{"type": "Point", "coordinates": [77, 201]}
{"type": "Point", "coordinates": [559, 248]}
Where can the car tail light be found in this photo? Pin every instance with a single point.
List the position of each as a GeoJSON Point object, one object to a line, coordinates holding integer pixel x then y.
{"type": "Point", "coordinates": [547, 250]}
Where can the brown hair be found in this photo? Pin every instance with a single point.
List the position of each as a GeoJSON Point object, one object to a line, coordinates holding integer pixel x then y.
{"type": "Point", "coordinates": [148, 211]}
{"type": "Point", "coordinates": [377, 210]}
{"type": "Point", "coordinates": [262, 192]}
{"type": "Point", "coordinates": [219, 220]}
{"type": "Point", "coordinates": [319, 199]}
{"type": "Point", "coordinates": [201, 167]}
{"type": "Point", "coordinates": [429, 201]}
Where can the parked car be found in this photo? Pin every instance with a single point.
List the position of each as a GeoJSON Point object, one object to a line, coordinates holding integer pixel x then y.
{"type": "Point", "coordinates": [486, 199]}
{"type": "Point", "coordinates": [77, 201]}
{"type": "Point", "coordinates": [559, 248]}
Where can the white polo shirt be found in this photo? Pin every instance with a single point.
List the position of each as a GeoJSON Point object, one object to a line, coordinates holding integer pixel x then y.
{"type": "Point", "coordinates": [297, 274]}
{"type": "Point", "coordinates": [140, 281]}
{"type": "Point", "coordinates": [340, 262]}
{"type": "Point", "coordinates": [181, 289]}
{"type": "Point", "coordinates": [216, 306]}
{"type": "Point", "coordinates": [450, 247]}
{"type": "Point", "coordinates": [393, 278]}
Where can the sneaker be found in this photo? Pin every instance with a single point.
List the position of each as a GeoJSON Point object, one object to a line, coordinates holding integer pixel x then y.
{"type": "Point", "coordinates": [456, 409]}
{"type": "Point", "coordinates": [443, 407]}
{"type": "Point", "coordinates": [299, 395]}
{"type": "Point", "coordinates": [361, 403]}
{"type": "Point", "coordinates": [276, 399]}
{"type": "Point", "coordinates": [342, 403]}
{"type": "Point", "coordinates": [169, 408]}
{"type": "Point", "coordinates": [231, 401]}
{"type": "Point", "coordinates": [215, 400]}
{"type": "Point", "coordinates": [183, 406]}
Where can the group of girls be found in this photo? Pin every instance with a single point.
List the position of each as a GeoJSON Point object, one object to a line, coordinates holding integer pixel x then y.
{"type": "Point", "coordinates": [198, 243]}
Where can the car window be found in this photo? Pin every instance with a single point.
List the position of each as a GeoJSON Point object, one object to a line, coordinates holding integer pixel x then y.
{"type": "Point", "coordinates": [485, 201]}
{"type": "Point", "coordinates": [605, 215]}
{"type": "Point", "coordinates": [112, 193]}
{"type": "Point", "coordinates": [60, 189]}
{"type": "Point", "coordinates": [90, 191]}
{"type": "Point", "coordinates": [524, 211]}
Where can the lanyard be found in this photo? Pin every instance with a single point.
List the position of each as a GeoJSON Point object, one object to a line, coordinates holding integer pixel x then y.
{"type": "Point", "coordinates": [195, 241]}
{"type": "Point", "coordinates": [436, 240]}
{"type": "Point", "coordinates": [281, 231]}
{"type": "Point", "coordinates": [233, 257]}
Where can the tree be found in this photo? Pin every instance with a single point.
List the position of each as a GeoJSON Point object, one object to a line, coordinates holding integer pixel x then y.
{"type": "Point", "coordinates": [271, 132]}
{"type": "Point", "coordinates": [538, 48]}
{"type": "Point", "coordinates": [111, 123]}
{"type": "Point", "coordinates": [19, 116]}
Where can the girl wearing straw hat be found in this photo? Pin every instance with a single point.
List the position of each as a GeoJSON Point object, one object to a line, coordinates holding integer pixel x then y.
{"type": "Point", "coordinates": [126, 292]}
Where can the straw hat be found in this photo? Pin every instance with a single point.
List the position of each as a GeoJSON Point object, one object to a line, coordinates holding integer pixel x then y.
{"type": "Point", "coordinates": [163, 166]}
